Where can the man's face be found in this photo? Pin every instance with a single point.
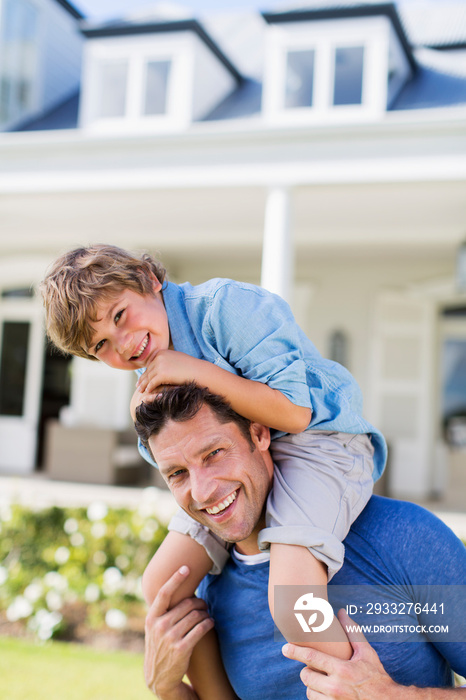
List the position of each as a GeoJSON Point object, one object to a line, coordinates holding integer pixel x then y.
{"type": "Point", "coordinates": [215, 474]}
{"type": "Point", "coordinates": [130, 329]}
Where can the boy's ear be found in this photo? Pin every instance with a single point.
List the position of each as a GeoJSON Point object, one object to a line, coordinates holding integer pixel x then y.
{"type": "Point", "coordinates": [156, 285]}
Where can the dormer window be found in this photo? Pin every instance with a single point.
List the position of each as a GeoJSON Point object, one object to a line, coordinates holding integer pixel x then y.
{"type": "Point", "coordinates": [156, 75]}
{"type": "Point", "coordinates": [330, 65]}
{"type": "Point", "coordinates": [348, 75]}
{"type": "Point", "coordinates": [299, 86]}
{"type": "Point", "coordinates": [113, 89]}
{"type": "Point", "coordinates": [156, 87]}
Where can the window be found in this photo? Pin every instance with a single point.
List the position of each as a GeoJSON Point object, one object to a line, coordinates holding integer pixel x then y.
{"type": "Point", "coordinates": [18, 59]}
{"type": "Point", "coordinates": [113, 88]}
{"type": "Point", "coordinates": [299, 79]}
{"type": "Point", "coordinates": [349, 63]}
{"type": "Point", "coordinates": [14, 349]}
{"type": "Point", "coordinates": [157, 76]}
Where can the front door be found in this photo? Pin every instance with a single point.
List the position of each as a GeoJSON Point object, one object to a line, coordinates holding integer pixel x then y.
{"type": "Point", "coordinates": [402, 385]}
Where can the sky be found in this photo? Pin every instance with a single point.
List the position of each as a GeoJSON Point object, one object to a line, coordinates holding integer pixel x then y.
{"type": "Point", "coordinates": [106, 9]}
{"type": "Point", "coordinates": [109, 9]}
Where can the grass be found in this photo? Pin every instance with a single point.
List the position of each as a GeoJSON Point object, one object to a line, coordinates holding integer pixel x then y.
{"type": "Point", "coordinates": [63, 671]}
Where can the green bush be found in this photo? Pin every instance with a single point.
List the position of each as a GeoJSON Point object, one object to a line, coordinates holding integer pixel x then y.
{"type": "Point", "coordinates": [64, 566]}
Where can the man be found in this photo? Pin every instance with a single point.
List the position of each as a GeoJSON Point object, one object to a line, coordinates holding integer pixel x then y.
{"type": "Point", "coordinates": [205, 455]}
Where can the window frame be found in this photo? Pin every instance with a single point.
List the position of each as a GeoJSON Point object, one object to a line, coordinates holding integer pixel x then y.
{"type": "Point", "coordinates": [138, 54]}
{"type": "Point", "coordinates": [325, 37]}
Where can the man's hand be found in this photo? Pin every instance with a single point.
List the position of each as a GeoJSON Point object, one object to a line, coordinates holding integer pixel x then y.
{"type": "Point", "coordinates": [361, 678]}
{"type": "Point", "coordinates": [171, 635]}
{"type": "Point", "coordinates": [168, 367]}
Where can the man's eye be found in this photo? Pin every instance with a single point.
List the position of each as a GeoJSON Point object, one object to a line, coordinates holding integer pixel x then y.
{"type": "Point", "coordinates": [215, 452]}
{"type": "Point", "coordinates": [178, 472]}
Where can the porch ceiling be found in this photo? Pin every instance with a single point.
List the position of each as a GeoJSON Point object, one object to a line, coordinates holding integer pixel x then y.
{"type": "Point", "coordinates": [410, 218]}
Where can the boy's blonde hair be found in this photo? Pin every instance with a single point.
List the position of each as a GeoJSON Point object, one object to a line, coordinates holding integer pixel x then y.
{"type": "Point", "coordinates": [81, 278]}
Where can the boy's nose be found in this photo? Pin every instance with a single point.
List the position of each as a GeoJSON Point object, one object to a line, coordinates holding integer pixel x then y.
{"type": "Point", "coordinates": [122, 343]}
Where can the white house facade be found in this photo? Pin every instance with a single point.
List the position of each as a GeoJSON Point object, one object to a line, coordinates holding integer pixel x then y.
{"type": "Point", "coordinates": [319, 151]}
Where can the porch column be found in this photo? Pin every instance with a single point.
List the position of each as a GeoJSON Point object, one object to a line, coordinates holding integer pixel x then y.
{"type": "Point", "coordinates": [277, 247]}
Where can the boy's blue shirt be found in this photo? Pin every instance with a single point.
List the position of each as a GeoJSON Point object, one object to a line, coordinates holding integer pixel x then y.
{"type": "Point", "coordinates": [249, 331]}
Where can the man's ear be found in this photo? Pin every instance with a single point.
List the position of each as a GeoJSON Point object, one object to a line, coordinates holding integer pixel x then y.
{"type": "Point", "coordinates": [260, 436]}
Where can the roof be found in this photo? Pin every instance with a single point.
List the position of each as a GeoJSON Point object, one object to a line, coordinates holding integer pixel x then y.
{"type": "Point", "coordinates": [63, 116]}
{"type": "Point", "coordinates": [439, 82]}
{"type": "Point", "coordinates": [345, 11]}
{"type": "Point", "coordinates": [435, 24]}
{"type": "Point", "coordinates": [131, 28]}
{"type": "Point", "coordinates": [71, 9]}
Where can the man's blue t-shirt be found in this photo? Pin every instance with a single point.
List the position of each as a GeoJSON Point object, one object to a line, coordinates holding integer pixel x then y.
{"type": "Point", "coordinates": [393, 544]}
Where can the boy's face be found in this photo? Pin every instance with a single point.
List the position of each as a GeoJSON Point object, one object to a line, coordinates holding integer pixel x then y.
{"type": "Point", "coordinates": [131, 329]}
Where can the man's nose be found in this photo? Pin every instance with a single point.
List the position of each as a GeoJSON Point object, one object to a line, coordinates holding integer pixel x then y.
{"type": "Point", "coordinates": [202, 488]}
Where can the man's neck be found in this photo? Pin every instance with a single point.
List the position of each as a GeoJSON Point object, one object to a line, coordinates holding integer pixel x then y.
{"type": "Point", "coordinates": [249, 545]}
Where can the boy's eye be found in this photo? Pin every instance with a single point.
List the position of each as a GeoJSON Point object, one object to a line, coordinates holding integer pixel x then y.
{"type": "Point", "coordinates": [99, 345]}
{"type": "Point", "coordinates": [118, 316]}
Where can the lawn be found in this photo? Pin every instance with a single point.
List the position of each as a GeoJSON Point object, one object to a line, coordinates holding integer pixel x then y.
{"type": "Point", "coordinates": [63, 671]}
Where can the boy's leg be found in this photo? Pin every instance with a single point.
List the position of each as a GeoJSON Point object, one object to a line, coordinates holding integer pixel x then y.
{"type": "Point", "coordinates": [321, 483]}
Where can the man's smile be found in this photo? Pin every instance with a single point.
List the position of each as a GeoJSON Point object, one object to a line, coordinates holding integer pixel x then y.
{"type": "Point", "coordinates": [222, 505]}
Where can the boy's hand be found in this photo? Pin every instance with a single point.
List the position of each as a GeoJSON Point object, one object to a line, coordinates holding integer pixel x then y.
{"type": "Point", "coordinates": [168, 367]}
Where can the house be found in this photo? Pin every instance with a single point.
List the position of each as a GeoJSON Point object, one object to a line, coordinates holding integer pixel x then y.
{"type": "Point", "coordinates": [319, 150]}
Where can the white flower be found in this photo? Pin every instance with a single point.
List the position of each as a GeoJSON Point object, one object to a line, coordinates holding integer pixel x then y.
{"type": "Point", "coordinates": [70, 526]}
{"type": "Point", "coordinates": [122, 530]}
{"type": "Point", "coordinates": [148, 531]}
{"type": "Point", "coordinates": [45, 622]}
{"type": "Point", "coordinates": [122, 561]}
{"type": "Point", "coordinates": [33, 592]}
{"type": "Point", "coordinates": [92, 593]}
{"type": "Point", "coordinates": [53, 579]}
{"type": "Point", "coordinates": [116, 619]}
{"type": "Point", "coordinates": [3, 575]}
{"type": "Point", "coordinates": [97, 511]}
{"type": "Point", "coordinates": [19, 609]}
{"type": "Point", "coordinates": [112, 580]}
{"type": "Point", "coordinates": [62, 555]}
{"type": "Point", "coordinates": [99, 530]}
{"type": "Point", "coordinates": [99, 558]}
{"type": "Point", "coordinates": [54, 600]}
{"type": "Point", "coordinates": [77, 539]}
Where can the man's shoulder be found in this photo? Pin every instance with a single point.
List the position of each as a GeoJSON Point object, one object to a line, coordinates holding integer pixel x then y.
{"type": "Point", "coordinates": [388, 519]}
{"type": "Point", "coordinates": [392, 540]}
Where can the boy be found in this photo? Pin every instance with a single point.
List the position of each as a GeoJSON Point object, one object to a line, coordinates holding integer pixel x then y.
{"type": "Point", "coordinates": [241, 342]}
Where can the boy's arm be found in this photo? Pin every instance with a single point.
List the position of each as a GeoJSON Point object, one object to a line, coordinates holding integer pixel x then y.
{"type": "Point", "coordinates": [180, 640]}
{"type": "Point", "coordinates": [253, 400]}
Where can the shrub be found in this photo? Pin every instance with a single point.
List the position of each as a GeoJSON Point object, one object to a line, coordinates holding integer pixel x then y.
{"type": "Point", "coordinates": [65, 567]}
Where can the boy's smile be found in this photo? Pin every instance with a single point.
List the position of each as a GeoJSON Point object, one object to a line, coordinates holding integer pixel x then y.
{"type": "Point", "coordinates": [130, 329]}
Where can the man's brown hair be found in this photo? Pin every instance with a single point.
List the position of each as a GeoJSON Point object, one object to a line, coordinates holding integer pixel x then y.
{"type": "Point", "coordinates": [81, 278]}
{"type": "Point", "coordinates": [180, 404]}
